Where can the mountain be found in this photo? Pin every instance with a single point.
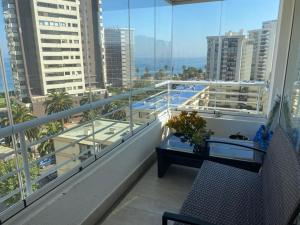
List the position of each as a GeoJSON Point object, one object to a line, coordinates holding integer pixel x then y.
{"type": "Point", "coordinates": [144, 47]}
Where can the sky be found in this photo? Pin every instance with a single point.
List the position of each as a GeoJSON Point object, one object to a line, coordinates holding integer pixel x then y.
{"type": "Point", "coordinates": [192, 23]}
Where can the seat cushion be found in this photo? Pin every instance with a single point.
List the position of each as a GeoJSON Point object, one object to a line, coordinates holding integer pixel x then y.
{"type": "Point", "coordinates": [225, 195]}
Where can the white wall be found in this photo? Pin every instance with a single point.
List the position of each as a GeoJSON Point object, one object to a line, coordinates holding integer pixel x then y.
{"type": "Point", "coordinates": [225, 127]}
{"type": "Point", "coordinates": [284, 27]}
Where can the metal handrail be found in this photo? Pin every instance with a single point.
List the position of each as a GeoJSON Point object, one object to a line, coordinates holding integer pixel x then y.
{"type": "Point", "coordinates": [16, 128]}
{"type": "Point", "coordinates": [22, 127]}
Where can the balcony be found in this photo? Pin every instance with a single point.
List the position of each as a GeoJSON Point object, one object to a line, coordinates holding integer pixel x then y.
{"type": "Point", "coordinates": [95, 162]}
{"type": "Point", "coordinates": [84, 143]}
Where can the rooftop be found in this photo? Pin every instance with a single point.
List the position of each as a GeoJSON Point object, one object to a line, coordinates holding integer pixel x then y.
{"type": "Point", "coordinates": [106, 132]}
{"type": "Point", "coordinates": [177, 97]}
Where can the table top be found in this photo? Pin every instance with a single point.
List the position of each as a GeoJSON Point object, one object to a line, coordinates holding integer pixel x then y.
{"type": "Point", "coordinates": [174, 143]}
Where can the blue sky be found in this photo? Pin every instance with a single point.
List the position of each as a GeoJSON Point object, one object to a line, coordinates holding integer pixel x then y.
{"type": "Point", "coordinates": [192, 23]}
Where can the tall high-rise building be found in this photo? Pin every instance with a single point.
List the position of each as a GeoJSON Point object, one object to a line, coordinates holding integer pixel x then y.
{"type": "Point", "coordinates": [254, 36]}
{"type": "Point", "coordinates": [246, 60]}
{"type": "Point", "coordinates": [59, 46]}
{"type": "Point", "coordinates": [22, 48]}
{"type": "Point", "coordinates": [224, 56]}
{"type": "Point", "coordinates": [93, 44]}
{"type": "Point", "coordinates": [119, 56]}
{"type": "Point", "coordinates": [55, 46]}
{"type": "Point", "coordinates": [266, 50]}
{"type": "Point", "coordinates": [238, 57]}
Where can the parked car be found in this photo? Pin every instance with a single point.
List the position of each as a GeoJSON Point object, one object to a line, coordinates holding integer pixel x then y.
{"type": "Point", "coordinates": [46, 162]}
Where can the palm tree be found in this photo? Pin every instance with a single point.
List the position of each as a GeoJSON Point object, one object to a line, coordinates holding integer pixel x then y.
{"type": "Point", "coordinates": [90, 114]}
{"type": "Point", "coordinates": [57, 102]}
{"type": "Point", "coordinates": [21, 114]}
{"type": "Point", "coordinates": [114, 111]}
{"type": "Point", "coordinates": [47, 147]}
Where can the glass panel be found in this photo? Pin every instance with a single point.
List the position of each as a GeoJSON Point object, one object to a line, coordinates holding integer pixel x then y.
{"type": "Point", "coordinates": [143, 35]}
{"type": "Point", "coordinates": [220, 42]}
{"type": "Point", "coordinates": [163, 42]}
{"type": "Point", "coordinates": [289, 119]}
{"type": "Point", "coordinates": [192, 24]}
{"type": "Point", "coordinates": [247, 42]}
{"type": "Point", "coordinates": [118, 45]}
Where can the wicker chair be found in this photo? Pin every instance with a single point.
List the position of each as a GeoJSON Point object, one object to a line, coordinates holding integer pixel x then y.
{"type": "Point", "coordinates": [224, 195]}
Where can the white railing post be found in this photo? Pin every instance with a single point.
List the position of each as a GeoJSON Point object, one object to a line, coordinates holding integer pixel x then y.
{"type": "Point", "coordinates": [130, 113]}
{"type": "Point", "coordinates": [94, 142]}
{"type": "Point", "coordinates": [24, 153]}
{"type": "Point", "coordinates": [11, 122]}
{"type": "Point", "coordinates": [168, 97]}
{"type": "Point", "coordinates": [258, 100]}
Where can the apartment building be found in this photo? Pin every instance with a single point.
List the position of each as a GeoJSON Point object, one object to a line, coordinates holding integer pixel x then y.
{"type": "Point", "coordinates": [93, 44]}
{"type": "Point", "coordinates": [119, 56]}
{"type": "Point", "coordinates": [254, 36]}
{"type": "Point", "coordinates": [266, 50]}
{"type": "Point", "coordinates": [59, 44]}
{"type": "Point", "coordinates": [55, 46]}
{"type": "Point", "coordinates": [224, 56]}
{"type": "Point", "coordinates": [235, 56]}
{"type": "Point", "coordinates": [246, 60]}
{"type": "Point", "coordinates": [232, 97]}
{"type": "Point", "coordinates": [24, 57]}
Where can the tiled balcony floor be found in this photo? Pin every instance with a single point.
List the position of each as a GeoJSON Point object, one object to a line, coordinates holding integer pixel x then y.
{"type": "Point", "coordinates": [151, 196]}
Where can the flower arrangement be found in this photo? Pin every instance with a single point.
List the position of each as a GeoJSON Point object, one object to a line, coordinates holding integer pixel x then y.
{"type": "Point", "coordinates": [192, 127]}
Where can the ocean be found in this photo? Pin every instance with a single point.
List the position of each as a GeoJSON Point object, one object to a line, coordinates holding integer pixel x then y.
{"type": "Point", "coordinates": [178, 63]}
{"type": "Point", "coordinates": [140, 63]}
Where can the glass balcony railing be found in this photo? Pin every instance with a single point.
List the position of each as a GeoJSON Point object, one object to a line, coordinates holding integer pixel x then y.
{"type": "Point", "coordinates": [47, 150]}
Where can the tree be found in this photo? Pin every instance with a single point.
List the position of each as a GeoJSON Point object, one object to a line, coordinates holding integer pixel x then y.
{"type": "Point", "coordinates": [50, 129]}
{"type": "Point", "coordinates": [114, 111]}
{"type": "Point", "coordinates": [146, 74]}
{"type": "Point", "coordinates": [90, 114]}
{"type": "Point", "coordinates": [191, 73]}
{"type": "Point", "coordinates": [11, 183]}
{"type": "Point", "coordinates": [21, 114]}
{"type": "Point", "coordinates": [57, 102]}
{"type": "Point", "coordinates": [160, 75]}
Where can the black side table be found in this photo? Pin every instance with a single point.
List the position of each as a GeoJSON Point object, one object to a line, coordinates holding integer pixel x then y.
{"type": "Point", "coordinates": [175, 151]}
